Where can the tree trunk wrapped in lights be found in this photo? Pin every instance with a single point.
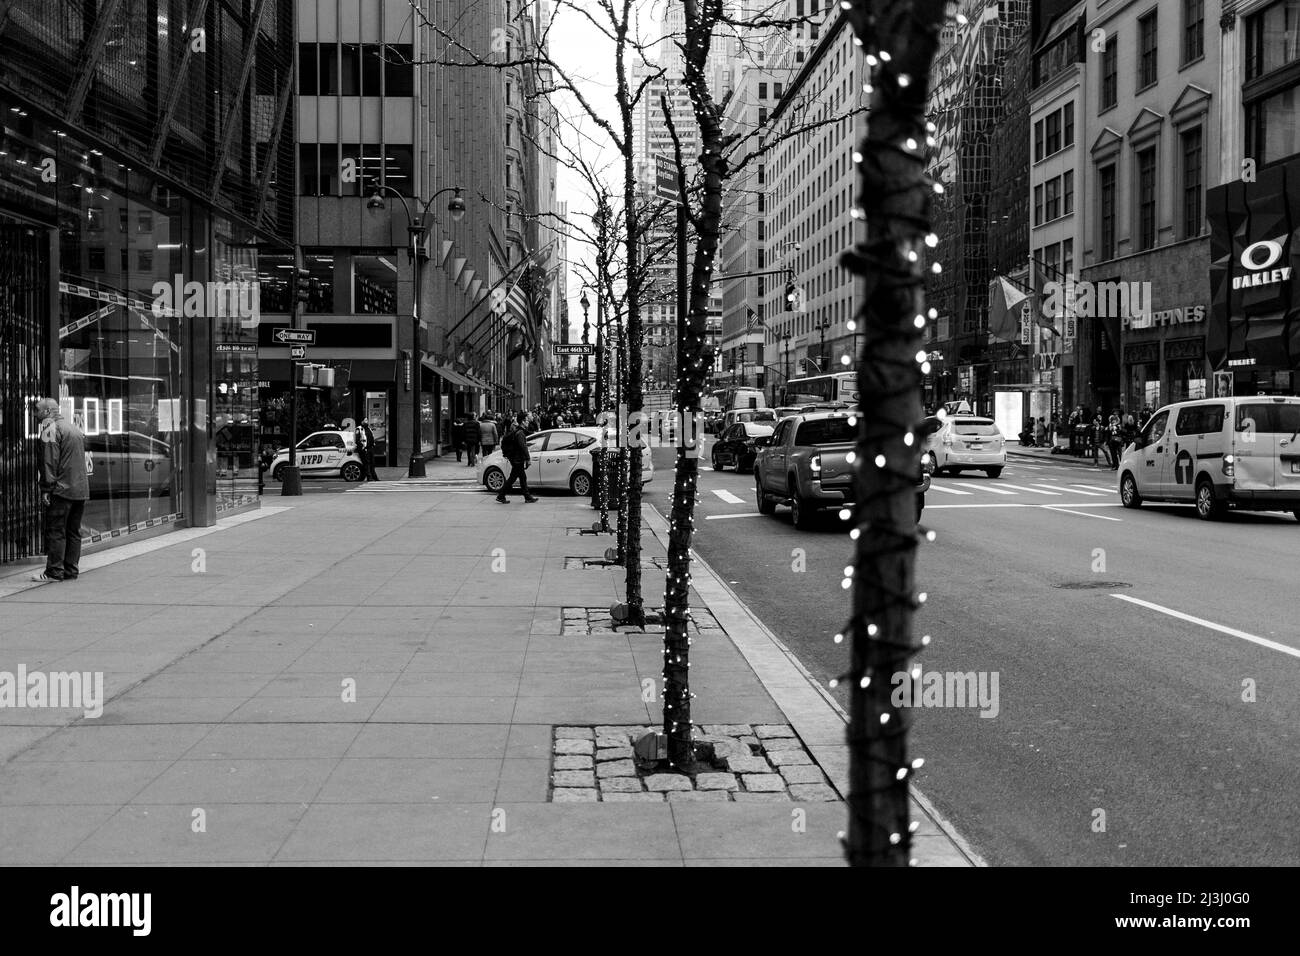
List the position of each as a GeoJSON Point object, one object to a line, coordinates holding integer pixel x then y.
{"type": "Point", "coordinates": [900, 40]}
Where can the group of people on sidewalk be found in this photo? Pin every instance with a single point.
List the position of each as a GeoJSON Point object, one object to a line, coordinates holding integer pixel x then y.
{"type": "Point", "coordinates": [1086, 432]}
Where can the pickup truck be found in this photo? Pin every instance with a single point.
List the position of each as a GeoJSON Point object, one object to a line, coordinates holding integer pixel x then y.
{"type": "Point", "coordinates": [804, 464]}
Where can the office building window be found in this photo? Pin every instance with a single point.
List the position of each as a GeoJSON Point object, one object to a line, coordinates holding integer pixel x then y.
{"type": "Point", "coordinates": [1038, 205]}
{"type": "Point", "coordinates": [350, 69]}
{"type": "Point", "coordinates": [1192, 203]}
{"type": "Point", "coordinates": [1109, 73]}
{"type": "Point", "coordinates": [1067, 257]}
{"type": "Point", "coordinates": [1193, 30]}
{"type": "Point", "coordinates": [1147, 37]}
{"type": "Point", "coordinates": [1106, 210]}
{"type": "Point", "coordinates": [1038, 140]}
{"type": "Point", "coordinates": [308, 77]}
{"type": "Point", "coordinates": [1272, 130]}
{"type": "Point", "coordinates": [776, 92]}
{"type": "Point", "coordinates": [1272, 38]}
{"type": "Point", "coordinates": [399, 74]}
{"type": "Point", "coordinates": [372, 68]}
{"type": "Point", "coordinates": [1053, 131]}
{"type": "Point", "coordinates": [1067, 125]}
{"type": "Point", "coordinates": [1146, 190]}
{"type": "Point", "coordinates": [1052, 200]}
{"type": "Point", "coordinates": [762, 91]}
{"type": "Point", "coordinates": [1067, 193]}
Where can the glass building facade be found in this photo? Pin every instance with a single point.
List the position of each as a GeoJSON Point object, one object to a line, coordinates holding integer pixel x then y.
{"type": "Point", "coordinates": [141, 157]}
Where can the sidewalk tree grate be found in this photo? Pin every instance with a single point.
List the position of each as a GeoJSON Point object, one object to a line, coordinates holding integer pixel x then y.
{"type": "Point", "coordinates": [587, 621]}
{"type": "Point", "coordinates": [584, 564]}
{"type": "Point", "coordinates": [1091, 585]}
{"type": "Point", "coordinates": [736, 763]}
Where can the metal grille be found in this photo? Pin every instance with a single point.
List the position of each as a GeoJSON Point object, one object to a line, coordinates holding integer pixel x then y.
{"type": "Point", "coordinates": [24, 330]}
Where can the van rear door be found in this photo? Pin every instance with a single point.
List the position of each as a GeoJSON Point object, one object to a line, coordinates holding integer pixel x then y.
{"type": "Point", "coordinates": [1267, 444]}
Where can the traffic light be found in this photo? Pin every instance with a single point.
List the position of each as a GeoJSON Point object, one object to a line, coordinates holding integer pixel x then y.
{"type": "Point", "coordinates": [304, 285]}
{"type": "Point", "coordinates": [791, 293]}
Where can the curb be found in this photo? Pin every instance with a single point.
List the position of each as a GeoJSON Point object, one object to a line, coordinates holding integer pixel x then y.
{"type": "Point", "coordinates": [815, 715]}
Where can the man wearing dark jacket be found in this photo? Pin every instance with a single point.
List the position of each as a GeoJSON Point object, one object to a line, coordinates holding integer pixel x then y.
{"type": "Point", "coordinates": [469, 438]}
{"type": "Point", "coordinates": [65, 488]}
{"type": "Point", "coordinates": [514, 447]}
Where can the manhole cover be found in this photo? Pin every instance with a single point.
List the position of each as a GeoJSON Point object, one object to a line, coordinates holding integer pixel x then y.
{"type": "Point", "coordinates": [1092, 585]}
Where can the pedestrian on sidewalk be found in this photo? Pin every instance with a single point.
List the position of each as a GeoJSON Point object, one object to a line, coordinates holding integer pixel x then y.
{"type": "Point", "coordinates": [458, 434]}
{"type": "Point", "coordinates": [1040, 434]}
{"type": "Point", "coordinates": [515, 449]}
{"type": "Point", "coordinates": [365, 440]}
{"type": "Point", "coordinates": [1115, 431]}
{"type": "Point", "coordinates": [487, 434]}
{"type": "Point", "coordinates": [469, 438]}
{"type": "Point", "coordinates": [65, 489]}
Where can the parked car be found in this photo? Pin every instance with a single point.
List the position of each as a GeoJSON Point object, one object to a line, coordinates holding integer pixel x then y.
{"type": "Point", "coordinates": [738, 445]}
{"type": "Point", "coordinates": [1241, 452]}
{"type": "Point", "coordinates": [561, 458]}
{"type": "Point", "coordinates": [329, 452]}
{"type": "Point", "coordinates": [805, 464]}
{"type": "Point", "coordinates": [968, 443]}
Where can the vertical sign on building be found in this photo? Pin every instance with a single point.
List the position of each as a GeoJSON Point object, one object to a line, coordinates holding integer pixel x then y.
{"type": "Point", "coordinates": [1026, 324]}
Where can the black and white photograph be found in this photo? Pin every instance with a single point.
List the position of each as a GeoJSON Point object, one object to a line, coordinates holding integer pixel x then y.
{"type": "Point", "coordinates": [651, 433]}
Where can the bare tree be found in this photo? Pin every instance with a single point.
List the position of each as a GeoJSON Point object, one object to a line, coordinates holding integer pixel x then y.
{"type": "Point", "coordinates": [899, 38]}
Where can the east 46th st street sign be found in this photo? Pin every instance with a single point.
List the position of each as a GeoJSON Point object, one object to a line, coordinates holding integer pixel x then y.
{"type": "Point", "coordinates": [298, 336]}
{"type": "Point", "coordinates": [575, 349]}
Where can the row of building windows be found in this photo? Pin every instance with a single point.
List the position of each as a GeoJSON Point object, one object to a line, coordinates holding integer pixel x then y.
{"type": "Point", "coordinates": [353, 169]}
{"type": "Point", "coordinates": [1148, 43]}
{"type": "Point", "coordinates": [1054, 132]}
{"type": "Point", "coordinates": [1191, 175]}
{"type": "Point", "coordinates": [1054, 198]}
{"type": "Point", "coordinates": [355, 69]}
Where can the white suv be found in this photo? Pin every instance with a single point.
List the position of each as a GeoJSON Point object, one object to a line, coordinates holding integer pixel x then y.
{"type": "Point", "coordinates": [1242, 451]}
{"type": "Point", "coordinates": [968, 443]}
{"type": "Point", "coordinates": [328, 452]}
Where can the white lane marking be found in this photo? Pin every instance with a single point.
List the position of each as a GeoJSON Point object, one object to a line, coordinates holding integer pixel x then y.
{"type": "Point", "coordinates": [1232, 631]}
{"type": "Point", "coordinates": [948, 491]}
{"type": "Point", "coordinates": [1021, 504]}
{"type": "Point", "coordinates": [1029, 467]}
{"type": "Point", "coordinates": [747, 514]}
{"type": "Point", "coordinates": [1109, 491]}
{"type": "Point", "coordinates": [728, 497]}
{"type": "Point", "coordinates": [1082, 514]}
{"type": "Point", "coordinates": [992, 489]}
{"type": "Point", "coordinates": [1090, 494]}
{"type": "Point", "coordinates": [1035, 491]}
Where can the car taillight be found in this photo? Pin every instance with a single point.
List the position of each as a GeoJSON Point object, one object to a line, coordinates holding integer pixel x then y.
{"type": "Point", "coordinates": [815, 464]}
{"type": "Point", "coordinates": [947, 439]}
{"type": "Point", "coordinates": [1229, 466]}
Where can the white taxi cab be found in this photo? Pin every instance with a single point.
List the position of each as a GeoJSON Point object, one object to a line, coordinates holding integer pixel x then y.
{"type": "Point", "coordinates": [1242, 452]}
{"type": "Point", "coordinates": [323, 453]}
{"type": "Point", "coordinates": [967, 443]}
{"type": "Point", "coordinates": [560, 458]}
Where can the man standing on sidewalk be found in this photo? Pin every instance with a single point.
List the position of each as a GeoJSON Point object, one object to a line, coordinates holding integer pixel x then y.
{"type": "Point", "coordinates": [65, 488]}
{"type": "Point", "coordinates": [487, 434]}
{"type": "Point", "coordinates": [515, 449]}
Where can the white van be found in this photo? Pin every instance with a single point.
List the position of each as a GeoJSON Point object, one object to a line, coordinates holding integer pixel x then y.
{"type": "Point", "coordinates": [1242, 451]}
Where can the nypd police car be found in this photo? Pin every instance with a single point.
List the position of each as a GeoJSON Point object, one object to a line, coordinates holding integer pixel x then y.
{"type": "Point", "coordinates": [327, 453]}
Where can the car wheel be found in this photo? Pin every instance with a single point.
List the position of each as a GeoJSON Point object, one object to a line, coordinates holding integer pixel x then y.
{"type": "Point", "coordinates": [1207, 508]}
{"type": "Point", "coordinates": [351, 471]}
{"type": "Point", "coordinates": [766, 505]}
{"type": "Point", "coordinates": [580, 484]}
{"type": "Point", "coordinates": [494, 479]}
{"type": "Point", "coordinates": [278, 473]}
{"type": "Point", "coordinates": [993, 472]}
{"type": "Point", "coordinates": [716, 464]}
{"type": "Point", "coordinates": [800, 512]}
{"type": "Point", "coordinates": [1129, 495]}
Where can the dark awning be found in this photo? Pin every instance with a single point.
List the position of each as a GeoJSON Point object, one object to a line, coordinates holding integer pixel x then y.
{"type": "Point", "coordinates": [455, 378]}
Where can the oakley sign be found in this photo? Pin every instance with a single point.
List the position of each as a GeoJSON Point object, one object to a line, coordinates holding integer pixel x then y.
{"type": "Point", "coordinates": [1259, 258]}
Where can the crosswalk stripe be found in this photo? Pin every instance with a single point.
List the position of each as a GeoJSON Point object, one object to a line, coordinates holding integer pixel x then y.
{"type": "Point", "coordinates": [1090, 494]}
{"type": "Point", "coordinates": [991, 489]}
{"type": "Point", "coordinates": [728, 497]}
{"type": "Point", "coordinates": [1034, 491]}
{"type": "Point", "coordinates": [947, 491]}
{"type": "Point", "coordinates": [1109, 491]}
{"type": "Point", "coordinates": [1056, 491]}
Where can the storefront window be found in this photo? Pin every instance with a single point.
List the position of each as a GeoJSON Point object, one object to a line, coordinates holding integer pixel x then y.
{"type": "Point", "coordinates": [1186, 380]}
{"type": "Point", "coordinates": [374, 284]}
{"type": "Point", "coordinates": [1143, 385]}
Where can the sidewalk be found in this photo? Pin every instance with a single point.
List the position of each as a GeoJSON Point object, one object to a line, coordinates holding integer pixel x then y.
{"type": "Point", "coordinates": [1015, 449]}
{"type": "Point", "coordinates": [375, 678]}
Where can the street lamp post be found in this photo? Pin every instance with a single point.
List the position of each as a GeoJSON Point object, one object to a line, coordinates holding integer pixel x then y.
{"type": "Point", "coordinates": [418, 230]}
{"type": "Point", "coordinates": [786, 339]}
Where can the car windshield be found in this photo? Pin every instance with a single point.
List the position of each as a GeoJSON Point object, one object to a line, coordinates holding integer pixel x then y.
{"type": "Point", "coordinates": [1270, 418]}
{"type": "Point", "coordinates": [825, 431]}
{"type": "Point", "coordinates": [974, 426]}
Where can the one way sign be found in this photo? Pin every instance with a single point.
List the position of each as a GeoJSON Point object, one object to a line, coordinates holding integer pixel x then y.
{"type": "Point", "coordinates": [297, 351]}
{"type": "Point", "coordinates": [299, 336]}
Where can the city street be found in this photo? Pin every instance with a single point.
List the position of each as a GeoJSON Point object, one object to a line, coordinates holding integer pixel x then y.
{"type": "Point", "coordinates": [1105, 703]}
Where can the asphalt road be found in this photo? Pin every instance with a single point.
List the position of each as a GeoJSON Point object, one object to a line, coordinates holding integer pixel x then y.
{"type": "Point", "coordinates": [1121, 736]}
